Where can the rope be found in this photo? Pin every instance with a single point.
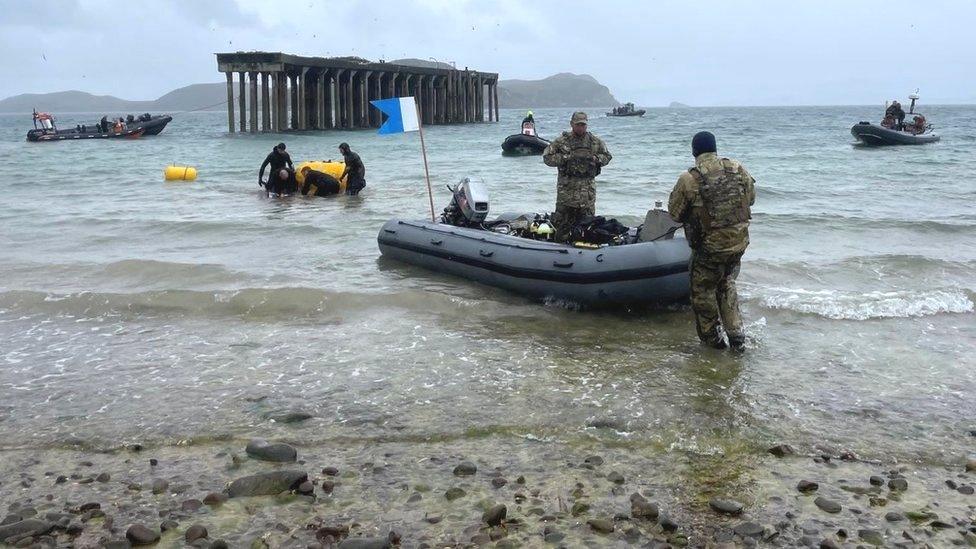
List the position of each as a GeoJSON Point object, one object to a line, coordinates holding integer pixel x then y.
{"type": "Point", "coordinates": [224, 102]}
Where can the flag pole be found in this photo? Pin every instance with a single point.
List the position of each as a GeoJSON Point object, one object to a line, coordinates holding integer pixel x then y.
{"type": "Point", "coordinates": [423, 149]}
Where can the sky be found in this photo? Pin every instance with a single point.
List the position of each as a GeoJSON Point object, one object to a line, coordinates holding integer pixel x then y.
{"type": "Point", "coordinates": [702, 53]}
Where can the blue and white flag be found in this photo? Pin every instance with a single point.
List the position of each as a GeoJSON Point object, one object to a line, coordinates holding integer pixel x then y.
{"type": "Point", "coordinates": [401, 114]}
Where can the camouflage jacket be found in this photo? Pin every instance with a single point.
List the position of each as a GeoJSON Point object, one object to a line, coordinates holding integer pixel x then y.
{"type": "Point", "coordinates": [685, 206]}
{"type": "Point", "coordinates": [579, 160]}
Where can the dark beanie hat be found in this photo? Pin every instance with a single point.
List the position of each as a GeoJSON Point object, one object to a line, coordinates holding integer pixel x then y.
{"type": "Point", "coordinates": [281, 146]}
{"type": "Point", "coordinates": [703, 142]}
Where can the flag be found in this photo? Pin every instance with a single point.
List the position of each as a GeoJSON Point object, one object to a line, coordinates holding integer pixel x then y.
{"type": "Point", "coordinates": [401, 113]}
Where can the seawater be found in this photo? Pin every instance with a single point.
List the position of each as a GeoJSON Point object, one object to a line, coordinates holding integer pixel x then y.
{"type": "Point", "coordinates": [133, 310]}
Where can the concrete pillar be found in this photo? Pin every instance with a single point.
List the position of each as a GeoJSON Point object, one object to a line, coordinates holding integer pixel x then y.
{"type": "Point", "coordinates": [253, 76]}
{"type": "Point", "coordinates": [328, 97]}
{"type": "Point", "coordinates": [265, 105]}
{"type": "Point", "coordinates": [480, 95]}
{"type": "Point", "coordinates": [339, 106]}
{"type": "Point", "coordinates": [230, 101]}
{"type": "Point", "coordinates": [302, 100]}
{"type": "Point", "coordinates": [431, 100]}
{"type": "Point", "coordinates": [276, 121]}
{"type": "Point", "coordinates": [320, 100]}
{"type": "Point", "coordinates": [495, 87]}
{"type": "Point", "coordinates": [363, 113]}
{"type": "Point", "coordinates": [293, 96]}
{"type": "Point", "coordinates": [351, 100]}
{"type": "Point", "coordinates": [241, 98]}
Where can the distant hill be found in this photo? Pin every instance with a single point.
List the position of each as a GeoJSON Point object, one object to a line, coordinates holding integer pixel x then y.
{"type": "Point", "coordinates": [559, 90]}
{"type": "Point", "coordinates": [182, 99]}
{"type": "Point", "coordinates": [676, 105]}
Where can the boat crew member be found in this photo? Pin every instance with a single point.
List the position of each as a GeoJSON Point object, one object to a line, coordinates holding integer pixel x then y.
{"type": "Point", "coordinates": [579, 155]}
{"type": "Point", "coordinates": [278, 158]}
{"type": "Point", "coordinates": [713, 200]}
{"type": "Point", "coordinates": [316, 183]}
{"type": "Point", "coordinates": [355, 172]}
{"type": "Point", "coordinates": [103, 124]}
{"type": "Point", "coordinates": [528, 118]}
{"type": "Point", "coordinates": [897, 113]}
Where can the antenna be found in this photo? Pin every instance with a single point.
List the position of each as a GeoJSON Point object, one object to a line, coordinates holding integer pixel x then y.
{"type": "Point", "coordinates": [913, 97]}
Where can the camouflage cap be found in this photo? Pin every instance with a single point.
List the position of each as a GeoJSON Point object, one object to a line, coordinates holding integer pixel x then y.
{"type": "Point", "coordinates": [579, 117]}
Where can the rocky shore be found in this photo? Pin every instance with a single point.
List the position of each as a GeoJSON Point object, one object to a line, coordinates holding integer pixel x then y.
{"type": "Point", "coordinates": [494, 492]}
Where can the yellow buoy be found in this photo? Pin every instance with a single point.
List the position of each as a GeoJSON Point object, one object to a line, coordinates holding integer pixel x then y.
{"type": "Point", "coordinates": [330, 167]}
{"type": "Point", "coordinates": [179, 173]}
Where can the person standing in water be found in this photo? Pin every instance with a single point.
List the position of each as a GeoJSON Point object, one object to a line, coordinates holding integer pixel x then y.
{"type": "Point", "coordinates": [713, 201]}
{"type": "Point", "coordinates": [355, 172]}
{"type": "Point", "coordinates": [278, 159]}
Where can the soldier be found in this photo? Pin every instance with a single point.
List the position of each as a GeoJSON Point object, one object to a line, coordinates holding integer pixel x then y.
{"type": "Point", "coordinates": [713, 201]}
{"type": "Point", "coordinates": [579, 155]}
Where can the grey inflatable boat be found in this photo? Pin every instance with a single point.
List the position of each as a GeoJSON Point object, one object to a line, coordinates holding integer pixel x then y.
{"type": "Point", "coordinates": [651, 271]}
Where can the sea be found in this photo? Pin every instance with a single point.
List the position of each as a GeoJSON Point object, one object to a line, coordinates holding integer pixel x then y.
{"type": "Point", "coordinates": [139, 311]}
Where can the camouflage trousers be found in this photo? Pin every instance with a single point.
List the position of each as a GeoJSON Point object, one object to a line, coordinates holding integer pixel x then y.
{"type": "Point", "coordinates": [565, 217]}
{"type": "Point", "coordinates": [713, 296]}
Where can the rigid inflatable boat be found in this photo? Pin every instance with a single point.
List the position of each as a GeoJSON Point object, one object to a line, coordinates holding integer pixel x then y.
{"type": "Point", "coordinates": [872, 134]}
{"type": "Point", "coordinates": [521, 144]}
{"type": "Point", "coordinates": [45, 129]}
{"type": "Point", "coordinates": [652, 270]}
{"type": "Point", "coordinates": [152, 124]}
{"type": "Point", "coordinates": [627, 109]}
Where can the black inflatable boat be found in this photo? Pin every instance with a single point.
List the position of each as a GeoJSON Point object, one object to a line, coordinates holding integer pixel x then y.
{"type": "Point", "coordinates": [652, 270]}
{"type": "Point", "coordinates": [151, 124]}
{"type": "Point", "coordinates": [873, 134]}
{"type": "Point", "coordinates": [521, 144]}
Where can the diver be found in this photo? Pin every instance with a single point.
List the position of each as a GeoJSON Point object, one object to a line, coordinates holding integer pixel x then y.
{"type": "Point", "coordinates": [316, 183]}
{"type": "Point", "coordinates": [355, 172]}
{"type": "Point", "coordinates": [277, 159]}
{"type": "Point", "coordinates": [281, 183]}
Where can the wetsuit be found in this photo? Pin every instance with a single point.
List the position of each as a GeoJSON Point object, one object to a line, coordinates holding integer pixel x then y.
{"type": "Point", "coordinates": [277, 160]}
{"type": "Point", "coordinates": [355, 172]}
{"type": "Point", "coordinates": [319, 184]}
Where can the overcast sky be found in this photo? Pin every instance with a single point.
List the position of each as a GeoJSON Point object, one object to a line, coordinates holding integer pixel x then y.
{"type": "Point", "coordinates": [704, 52]}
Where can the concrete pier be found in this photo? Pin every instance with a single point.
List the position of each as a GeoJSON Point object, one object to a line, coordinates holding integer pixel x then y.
{"type": "Point", "coordinates": [300, 93]}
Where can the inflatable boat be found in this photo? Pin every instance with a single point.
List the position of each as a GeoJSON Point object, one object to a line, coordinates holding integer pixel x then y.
{"type": "Point", "coordinates": [521, 144]}
{"type": "Point", "coordinates": [651, 271]}
{"type": "Point", "coordinates": [872, 134]}
{"type": "Point", "coordinates": [45, 129]}
{"type": "Point", "coordinates": [627, 109]}
{"type": "Point", "coordinates": [151, 124]}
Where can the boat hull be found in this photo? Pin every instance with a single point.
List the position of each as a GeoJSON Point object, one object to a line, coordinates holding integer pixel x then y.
{"type": "Point", "coordinates": [634, 113]}
{"type": "Point", "coordinates": [39, 136]}
{"type": "Point", "coordinates": [649, 273]}
{"type": "Point", "coordinates": [872, 134]}
{"type": "Point", "coordinates": [523, 145]}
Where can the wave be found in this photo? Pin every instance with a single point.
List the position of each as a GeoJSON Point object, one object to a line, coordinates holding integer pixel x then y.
{"type": "Point", "coordinates": [953, 225]}
{"type": "Point", "coordinates": [839, 305]}
{"type": "Point", "coordinates": [248, 303]}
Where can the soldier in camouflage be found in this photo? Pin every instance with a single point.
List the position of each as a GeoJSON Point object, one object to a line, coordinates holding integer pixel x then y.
{"type": "Point", "coordinates": [713, 201]}
{"type": "Point", "coordinates": [579, 155]}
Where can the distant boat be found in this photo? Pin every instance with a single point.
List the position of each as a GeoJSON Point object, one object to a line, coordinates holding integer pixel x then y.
{"type": "Point", "coordinates": [525, 143]}
{"type": "Point", "coordinates": [916, 132]}
{"type": "Point", "coordinates": [626, 110]}
{"type": "Point", "coordinates": [45, 129]}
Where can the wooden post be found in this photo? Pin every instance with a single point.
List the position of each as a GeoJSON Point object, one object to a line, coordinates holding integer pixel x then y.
{"type": "Point", "coordinates": [230, 101]}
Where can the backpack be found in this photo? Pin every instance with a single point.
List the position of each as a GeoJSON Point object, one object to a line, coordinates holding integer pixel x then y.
{"type": "Point", "coordinates": [724, 197]}
{"type": "Point", "coordinates": [597, 230]}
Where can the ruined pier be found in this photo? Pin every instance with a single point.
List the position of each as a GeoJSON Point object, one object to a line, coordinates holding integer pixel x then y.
{"type": "Point", "coordinates": [280, 92]}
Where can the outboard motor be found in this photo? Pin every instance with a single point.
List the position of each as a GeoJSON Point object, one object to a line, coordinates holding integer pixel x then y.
{"type": "Point", "coordinates": [469, 204]}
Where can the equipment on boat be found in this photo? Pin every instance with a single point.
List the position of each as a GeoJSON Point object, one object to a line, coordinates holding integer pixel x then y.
{"type": "Point", "coordinates": [514, 251]}
{"type": "Point", "coordinates": [916, 132]}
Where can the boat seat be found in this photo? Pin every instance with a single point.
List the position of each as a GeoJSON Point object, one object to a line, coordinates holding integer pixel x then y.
{"type": "Point", "coordinates": [658, 225]}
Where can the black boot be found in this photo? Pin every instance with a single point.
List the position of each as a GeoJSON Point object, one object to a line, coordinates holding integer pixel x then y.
{"type": "Point", "coordinates": [738, 343]}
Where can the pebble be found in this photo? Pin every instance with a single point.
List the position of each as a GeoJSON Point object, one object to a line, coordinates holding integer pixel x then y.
{"type": "Point", "coordinates": [495, 515]}
{"type": "Point", "coordinates": [876, 480]}
{"type": "Point", "coordinates": [666, 523]}
{"type": "Point", "coordinates": [465, 469]}
{"type": "Point", "coordinates": [219, 544]}
{"type": "Point", "coordinates": [828, 543]}
{"type": "Point", "coordinates": [971, 466]}
{"type": "Point", "coordinates": [61, 479]}
{"type": "Point", "coordinates": [898, 484]}
{"type": "Point", "coordinates": [827, 505]}
{"type": "Point", "coordinates": [966, 490]}
{"type": "Point", "coordinates": [644, 509]}
{"type": "Point", "coordinates": [749, 529]}
{"type": "Point", "coordinates": [214, 498]}
{"type": "Point", "coordinates": [873, 537]}
{"type": "Point", "coordinates": [782, 450]}
{"type": "Point", "coordinates": [579, 508]}
{"type": "Point", "coordinates": [604, 526]}
{"type": "Point", "coordinates": [615, 478]}
{"type": "Point", "coordinates": [159, 486]}
{"type": "Point", "coordinates": [278, 452]}
{"type": "Point", "coordinates": [306, 488]}
{"type": "Point", "coordinates": [368, 543]}
{"type": "Point", "coordinates": [103, 477]}
{"type": "Point", "coordinates": [266, 484]}
{"type": "Point", "coordinates": [593, 460]}
{"type": "Point", "coordinates": [894, 516]}
{"type": "Point", "coordinates": [138, 534]}
{"type": "Point", "coordinates": [454, 493]}
{"type": "Point", "coordinates": [330, 471]}
{"type": "Point", "coordinates": [168, 525]}
{"type": "Point", "coordinates": [725, 506]}
{"type": "Point", "coordinates": [498, 482]}
{"type": "Point", "coordinates": [195, 532]}
{"type": "Point", "coordinates": [153, 462]}
{"type": "Point", "coordinates": [191, 505]}
{"type": "Point", "coordinates": [806, 486]}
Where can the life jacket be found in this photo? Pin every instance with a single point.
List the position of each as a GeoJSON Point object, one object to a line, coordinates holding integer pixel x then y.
{"type": "Point", "coordinates": [724, 197]}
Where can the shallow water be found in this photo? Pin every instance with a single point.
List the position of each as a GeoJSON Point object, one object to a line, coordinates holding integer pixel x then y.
{"type": "Point", "coordinates": [133, 310]}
